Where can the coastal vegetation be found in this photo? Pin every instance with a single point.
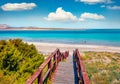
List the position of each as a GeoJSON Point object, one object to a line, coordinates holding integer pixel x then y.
{"type": "Point", "coordinates": [18, 60]}
{"type": "Point", "coordinates": [102, 67]}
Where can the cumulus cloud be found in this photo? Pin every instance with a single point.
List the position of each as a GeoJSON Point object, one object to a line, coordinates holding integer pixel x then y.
{"type": "Point", "coordinates": [18, 6]}
{"type": "Point", "coordinates": [91, 16]}
{"type": "Point", "coordinates": [61, 15]}
{"type": "Point", "coordinates": [96, 1]}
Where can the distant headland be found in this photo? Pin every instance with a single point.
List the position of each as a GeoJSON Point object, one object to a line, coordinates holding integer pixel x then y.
{"type": "Point", "coordinates": [6, 27]}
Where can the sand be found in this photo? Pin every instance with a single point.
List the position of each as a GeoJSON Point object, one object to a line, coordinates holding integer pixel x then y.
{"type": "Point", "coordinates": [50, 47]}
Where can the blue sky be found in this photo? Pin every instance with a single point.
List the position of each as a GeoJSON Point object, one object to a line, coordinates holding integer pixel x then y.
{"type": "Point", "coordinates": [61, 13]}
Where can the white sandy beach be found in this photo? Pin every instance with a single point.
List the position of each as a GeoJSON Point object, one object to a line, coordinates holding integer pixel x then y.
{"type": "Point", "coordinates": [50, 47]}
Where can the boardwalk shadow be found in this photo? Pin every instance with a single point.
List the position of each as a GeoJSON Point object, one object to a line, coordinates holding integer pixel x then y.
{"type": "Point", "coordinates": [75, 71]}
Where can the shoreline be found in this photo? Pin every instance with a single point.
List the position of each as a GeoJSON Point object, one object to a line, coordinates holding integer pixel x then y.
{"type": "Point", "coordinates": [50, 47]}
{"type": "Point", "coordinates": [37, 28]}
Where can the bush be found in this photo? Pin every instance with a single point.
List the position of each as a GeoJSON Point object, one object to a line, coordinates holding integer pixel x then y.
{"type": "Point", "coordinates": [18, 61]}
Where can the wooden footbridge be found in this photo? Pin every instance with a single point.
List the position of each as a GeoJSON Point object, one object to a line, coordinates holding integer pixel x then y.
{"type": "Point", "coordinates": [61, 68]}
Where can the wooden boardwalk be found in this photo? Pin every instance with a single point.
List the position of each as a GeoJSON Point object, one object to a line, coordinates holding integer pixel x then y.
{"type": "Point", "coordinates": [65, 72]}
{"type": "Point", "coordinates": [71, 71]}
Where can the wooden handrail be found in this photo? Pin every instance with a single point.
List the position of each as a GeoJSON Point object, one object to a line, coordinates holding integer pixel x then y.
{"type": "Point", "coordinates": [82, 74]}
{"type": "Point", "coordinates": [51, 63]}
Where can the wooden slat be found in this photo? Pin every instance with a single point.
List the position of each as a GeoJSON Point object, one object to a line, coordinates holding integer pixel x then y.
{"type": "Point", "coordinates": [65, 72]}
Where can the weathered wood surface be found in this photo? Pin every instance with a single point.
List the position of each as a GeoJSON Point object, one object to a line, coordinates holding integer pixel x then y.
{"type": "Point", "coordinates": [65, 72]}
{"type": "Point", "coordinates": [55, 57]}
{"type": "Point", "coordinates": [68, 72]}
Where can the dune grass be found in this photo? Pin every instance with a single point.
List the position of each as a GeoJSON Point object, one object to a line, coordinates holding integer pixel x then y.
{"type": "Point", "coordinates": [102, 67]}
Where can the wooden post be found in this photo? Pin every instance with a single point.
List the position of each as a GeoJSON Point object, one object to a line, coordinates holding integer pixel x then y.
{"type": "Point", "coordinates": [55, 62]}
{"type": "Point", "coordinates": [58, 57]}
{"type": "Point", "coordinates": [40, 79]}
{"type": "Point", "coordinates": [50, 67]}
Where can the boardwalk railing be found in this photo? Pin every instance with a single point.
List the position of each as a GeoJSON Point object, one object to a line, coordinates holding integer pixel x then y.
{"type": "Point", "coordinates": [48, 66]}
{"type": "Point", "coordinates": [82, 75]}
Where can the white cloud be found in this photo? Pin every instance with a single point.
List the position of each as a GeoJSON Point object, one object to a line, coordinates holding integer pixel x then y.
{"type": "Point", "coordinates": [91, 16]}
{"type": "Point", "coordinates": [96, 1]}
{"type": "Point", "coordinates": [81, 19]}
{"type": "Point", "coordinates": [111, 7]}
{"type": "Point", "coordinates": [114, 7]}
{"type": "Point", "coordinates": [92, 1]}
{"type": "Point", "coordinates": [61, 15]}
{"type": "Point", "coordinates": [18, 6]}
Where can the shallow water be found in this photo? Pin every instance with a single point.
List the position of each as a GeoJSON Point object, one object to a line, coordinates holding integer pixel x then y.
{"type": "Point", "coordinates": [110, 37]}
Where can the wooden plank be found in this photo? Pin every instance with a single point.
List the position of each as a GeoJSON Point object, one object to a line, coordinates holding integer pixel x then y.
{"type": "Point", "coordinates": [65, 72]}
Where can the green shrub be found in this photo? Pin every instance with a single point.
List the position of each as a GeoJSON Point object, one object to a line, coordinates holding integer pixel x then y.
{"type": "Point", "coordinates": [18, 61]}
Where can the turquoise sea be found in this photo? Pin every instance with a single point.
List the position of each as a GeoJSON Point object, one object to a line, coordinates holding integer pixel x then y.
{"type": "Point", "coordinates": [110, 37]}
